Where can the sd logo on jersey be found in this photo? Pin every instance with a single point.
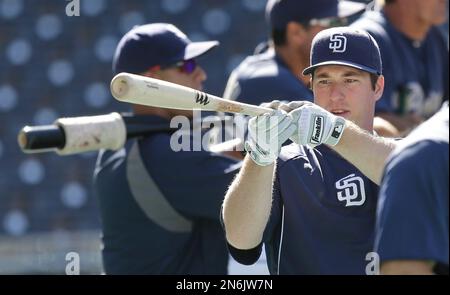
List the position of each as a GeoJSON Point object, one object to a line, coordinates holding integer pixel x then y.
{"type": "Point", "coordinates": [351, 190]}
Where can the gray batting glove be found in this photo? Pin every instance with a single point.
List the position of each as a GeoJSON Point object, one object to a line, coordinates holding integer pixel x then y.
{"type": "Point", "coordinates": [315, 125]}
{"type": "Point", "coordinates": [266, 134]}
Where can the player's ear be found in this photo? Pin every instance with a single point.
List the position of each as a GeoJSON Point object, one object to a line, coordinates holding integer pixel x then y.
{"type": "Point", "coordinates": [295, 33]}
{"type": "Point", "coordinates": [379, 87]}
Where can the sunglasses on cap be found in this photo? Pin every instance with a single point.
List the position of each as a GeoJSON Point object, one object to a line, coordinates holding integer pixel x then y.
{"type": "Point", "coordinates": [185, 66]}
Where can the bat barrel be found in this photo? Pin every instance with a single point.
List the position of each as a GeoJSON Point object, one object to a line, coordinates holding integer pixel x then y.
{"type": "Point", "coordinates": [152, 92]}
{"type": "Point", "coordinates": [35, 138]}
{"type": "Point", "coordinates": [120, 86]}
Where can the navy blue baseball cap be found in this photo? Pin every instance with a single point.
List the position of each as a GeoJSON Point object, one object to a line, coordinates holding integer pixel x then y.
{"type": "Point", "coordinates": [280, 12]}
{"type": "Point", "coordinates": [345, 46]}
{"type": "Point", "coordinates": [158, 44]}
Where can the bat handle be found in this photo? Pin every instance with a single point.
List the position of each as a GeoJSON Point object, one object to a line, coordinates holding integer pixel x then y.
{"type": "Point", "coordinates": [46, 138]}
{"type": "Point", "coordinates": [41, 138]}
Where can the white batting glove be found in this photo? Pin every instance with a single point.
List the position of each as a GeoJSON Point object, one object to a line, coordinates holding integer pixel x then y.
{"type": "Point", "coordinates": [315, 125]}
{"type": "Point", "coordinates": [266, 134]}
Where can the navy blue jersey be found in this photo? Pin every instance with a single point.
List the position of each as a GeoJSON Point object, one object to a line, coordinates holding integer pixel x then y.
{"type": "Point", "coordinates": [413, 205]}
{"type": "Point", "coordinates": [263, 78]}
{"type": "Point", "coordinates": [160, 208]}
{"type": "Point", "coordinates": [416, 74]}
{"type": "Point", "coordinates": [323, 215]}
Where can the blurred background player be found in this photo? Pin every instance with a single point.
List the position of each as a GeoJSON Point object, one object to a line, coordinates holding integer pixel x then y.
{"type": "Point", "coordinates": [276, 73]}
{"type": "Point", "coordinates": [412, 224]}
{"type": "Point", "coordinates": [160, 208]}
{"type": "Point", "coordinates": [415, 61]}
{"type": "Point", "coordinates": [314, 207]}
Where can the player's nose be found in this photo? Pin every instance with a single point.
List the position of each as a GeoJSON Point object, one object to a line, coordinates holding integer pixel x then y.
{"type": "Point", "coordinates": [336, 92]}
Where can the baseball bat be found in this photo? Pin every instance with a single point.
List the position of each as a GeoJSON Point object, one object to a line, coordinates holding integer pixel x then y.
{"type": "Point", "coordinates": [80, 134]}
{"type": "Point", "coordinates": [157, 93]}
{"type": "Point", "coordinates": [74, 135]}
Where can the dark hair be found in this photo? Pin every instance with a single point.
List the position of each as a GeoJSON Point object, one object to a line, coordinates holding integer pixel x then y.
{"type": "Point", "coordinates": [373, 79]}
{"type": "Point", "coordinates": [388, 1]}
{"type": "Point", "coordinates": [279, 36]}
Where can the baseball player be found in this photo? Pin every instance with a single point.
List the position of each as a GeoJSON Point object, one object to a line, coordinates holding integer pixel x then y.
{"type": "Point", "coordinates": [314, 207]}
{"type": "Point", "coordinates": [160, 208]}
{"type": "Point", "coordinates": [412, 222]}
{"type": "Point", "coordinates": [274, 74]}
{"type": "Point", "coordinates": [415, 61]}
